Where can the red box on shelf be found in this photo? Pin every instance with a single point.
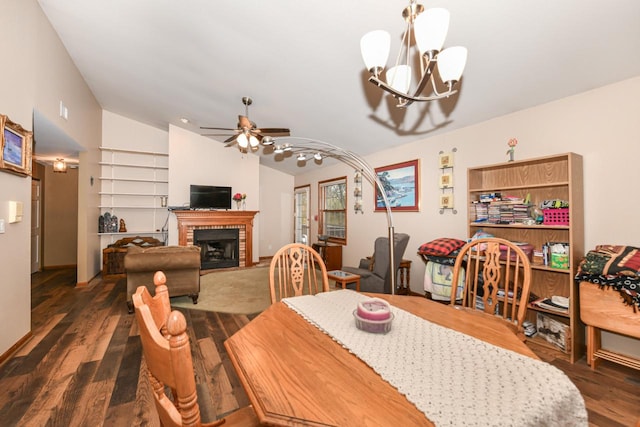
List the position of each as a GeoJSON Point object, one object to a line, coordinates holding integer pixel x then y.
{"type": "Point", "coordinates": [559, 216]}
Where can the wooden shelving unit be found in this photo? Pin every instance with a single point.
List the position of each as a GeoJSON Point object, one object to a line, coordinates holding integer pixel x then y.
{"type": "Point", "coordinates": [545, 178]}
{"type": "Point", "coordinates": [133, 185]}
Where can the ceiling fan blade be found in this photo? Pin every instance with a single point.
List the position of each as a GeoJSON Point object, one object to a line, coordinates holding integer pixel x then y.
{"type": "Point", "coordinates": [213, 128]}
{"type": "Point", "coordinates": [273, 131]}
{"type": "Point", "coordinates": [230, 143]}
{"type": "Point", "coordinates": [231, 139]}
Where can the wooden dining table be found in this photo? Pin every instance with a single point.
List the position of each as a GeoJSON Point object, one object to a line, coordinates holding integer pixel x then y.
{"type": "Point", "coordinates": [296, 375]}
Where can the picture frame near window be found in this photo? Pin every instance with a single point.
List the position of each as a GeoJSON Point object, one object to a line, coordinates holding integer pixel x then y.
{"type": "Point", "coordinates": [401, 185]}
{"type": "Point", "coordinates": [15, 147]}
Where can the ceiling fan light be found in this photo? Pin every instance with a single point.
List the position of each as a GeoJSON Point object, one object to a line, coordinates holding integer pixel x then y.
{"type": "Point", "coordinates": [243, 142]}
{"type": "Point", "coordinates": [451, 63]}
{"type": "Point", "coordinates": [374, 47]}
{"type": "Point", "coordinates": [286, 147]}
{"type": "Point", "coordinates": [399, 77]}
{"type": "Point", "coordinates": [253, 141]}
{"type": "Point", "coordinates": [278, 150]}
{"type": "Point", "coordinates": [267, 140]}
{"type": "Point", "coordinates": [430, 29]}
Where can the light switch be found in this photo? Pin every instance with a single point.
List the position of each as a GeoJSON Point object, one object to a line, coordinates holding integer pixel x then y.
{"type": "Point", "coordinates": [15, 212]}
{"type": "Point", "coordinates": [1, 226]}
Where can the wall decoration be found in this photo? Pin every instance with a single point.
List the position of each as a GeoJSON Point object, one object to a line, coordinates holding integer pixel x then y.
{"type": "Point", "coordinates": [401, 184]}
{"type": "Point", "coordinates": [357, 192]}
{"type": "Point", "coordinates": [446, 201]}
{"type": "Point", "coordinates": [445, 161]}
{"type": "Point", "coordinates": [15, 147]}
{"type": "Point", "coordinates": [446, 180]}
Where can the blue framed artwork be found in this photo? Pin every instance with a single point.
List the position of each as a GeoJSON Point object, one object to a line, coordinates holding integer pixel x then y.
{"type": "Point", "coordinates": [400, 182]}
{"type": "Point", "coordinates": [15, 147]}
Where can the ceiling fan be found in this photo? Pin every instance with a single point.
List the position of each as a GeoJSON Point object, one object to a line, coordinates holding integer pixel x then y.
{"type": "Point", "coordinates": [247, 134]}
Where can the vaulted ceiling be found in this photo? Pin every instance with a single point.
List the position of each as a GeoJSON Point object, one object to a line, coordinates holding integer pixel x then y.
{"type": "Point", "coordinates": [156, 61]}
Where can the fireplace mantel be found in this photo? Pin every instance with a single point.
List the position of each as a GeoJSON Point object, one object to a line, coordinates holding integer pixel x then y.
{"type": "Point", "coordinates": [190, 220]}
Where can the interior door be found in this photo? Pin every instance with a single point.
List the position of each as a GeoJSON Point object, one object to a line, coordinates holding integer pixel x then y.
{"type": "Point", "coordinates": [302, 221]}
{"type": "Point", "coordinates": [36, 225]}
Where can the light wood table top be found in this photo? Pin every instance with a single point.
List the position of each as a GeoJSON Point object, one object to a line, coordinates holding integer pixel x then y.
{"type": "Point", "coordinates": [295, 375]}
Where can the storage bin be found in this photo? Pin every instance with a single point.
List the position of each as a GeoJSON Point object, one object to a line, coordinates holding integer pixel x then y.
{"type": "Point", "coordinates": [559, 216]}
{"type": "Point", "coordinates": [526, 248]}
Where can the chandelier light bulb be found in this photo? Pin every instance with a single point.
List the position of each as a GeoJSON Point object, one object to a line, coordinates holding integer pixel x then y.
{"type": "Point", "coordinates": [301, 157]}
{"type": "Point", "coordinates": [399, 77]}
{"type": "Point", "coordinates": [451, 63]}
{"type": "Point", "coordinates": [278, 149]}
{"type": "Point", "coordinates": [430, 29]}
{"type": "Point", "coordinates": [317, 156]}
{"type": "Point", "coordinates": [375, 46]}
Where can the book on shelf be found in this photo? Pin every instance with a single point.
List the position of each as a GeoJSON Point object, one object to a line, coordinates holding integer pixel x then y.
{"type": "Point", "coordinates": [549, 304]}
{"type": "Point", "coordinates": [556, 333]}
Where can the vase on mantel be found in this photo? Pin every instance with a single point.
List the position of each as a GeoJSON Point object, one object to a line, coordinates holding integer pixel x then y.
{"type": "Point", "coordinates": [244, 205]}
{"type": "Point", "coordinates": [238, 203]}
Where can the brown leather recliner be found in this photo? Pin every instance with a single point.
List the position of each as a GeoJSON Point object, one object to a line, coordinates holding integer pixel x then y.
{"type": "Point", "coordinates": [180, 264]}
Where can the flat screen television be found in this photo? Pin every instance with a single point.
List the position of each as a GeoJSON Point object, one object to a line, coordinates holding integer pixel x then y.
{"type": "Point", "coordinates": [209, 197]}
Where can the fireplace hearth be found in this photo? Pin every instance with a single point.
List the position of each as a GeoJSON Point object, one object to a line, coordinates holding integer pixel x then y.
{"type": "Point", "coordinates": [219, 247]}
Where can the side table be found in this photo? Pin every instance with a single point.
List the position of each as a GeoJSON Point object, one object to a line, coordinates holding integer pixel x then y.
{"type": "Point", "coordinates": [342, 278]}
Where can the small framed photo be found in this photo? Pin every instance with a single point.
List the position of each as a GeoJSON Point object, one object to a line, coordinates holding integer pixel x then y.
{"type": "Point", "coordinates": [446, 201]}
{"type": "Point", "coordinates": [400, 183]}
{"type": "Point", "coordinates": [15, 147]}
{"type": "Point", "coordinates": [446, 180]}
{"type": "Point", "coordinates": [446, 160]}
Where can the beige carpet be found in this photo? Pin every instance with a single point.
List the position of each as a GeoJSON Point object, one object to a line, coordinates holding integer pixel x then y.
{"type": "Point", "coordinates": [239, 291]}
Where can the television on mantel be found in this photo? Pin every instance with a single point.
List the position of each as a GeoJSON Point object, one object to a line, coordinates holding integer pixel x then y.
{"type": "Point", "coordinates": [209, 197]}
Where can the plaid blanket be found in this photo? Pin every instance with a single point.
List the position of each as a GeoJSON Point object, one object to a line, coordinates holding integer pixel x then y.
{"type": "Point", "coordinates": [614, 266]}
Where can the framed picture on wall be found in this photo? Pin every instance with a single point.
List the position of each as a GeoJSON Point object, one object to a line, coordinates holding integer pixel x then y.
{"type": "Point", "coordinates": [446, 160]}
{"type": "Point", "coordinates": [446, 201]}
{"type": "Point", "coordinates": [400, 182]}
{"type": "Point", "coordinates": [15, 147]}
{"type": "Point", "coordinates": [446, 180]}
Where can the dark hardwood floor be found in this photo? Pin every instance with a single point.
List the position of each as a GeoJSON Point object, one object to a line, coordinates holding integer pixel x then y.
{"type": "Point", "coordinates": [82, 366]}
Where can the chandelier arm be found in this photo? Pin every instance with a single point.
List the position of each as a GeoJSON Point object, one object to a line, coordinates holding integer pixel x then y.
{"type": "Point", "coordinates": [406, 99]}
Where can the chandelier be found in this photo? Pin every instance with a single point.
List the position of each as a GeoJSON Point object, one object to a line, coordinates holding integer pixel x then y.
{"type": "Point", "coordinates": [429, 28]}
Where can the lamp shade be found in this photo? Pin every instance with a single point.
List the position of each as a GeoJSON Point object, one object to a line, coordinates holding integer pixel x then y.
{"type": "Point", "coordinates": [374, 47]}
{"type": "Point", "coordinates": [243, 142]}
{"type": "Point", "coordinates": [253, 141]}
{"type": "Point", "coordinates": [451, 62]}
{"type": "Point", "coordinates": [430, 29]}
{"type": "Point", "coordinates": [399, 78]}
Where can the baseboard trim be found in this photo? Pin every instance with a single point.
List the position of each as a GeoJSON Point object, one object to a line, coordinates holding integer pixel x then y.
{"type": "Point", "coordinates": [14, 348]}
{"type": "Point", "coordinates": [59, 267]}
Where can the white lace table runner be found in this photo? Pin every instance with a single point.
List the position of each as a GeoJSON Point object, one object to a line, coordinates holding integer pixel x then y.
{"type": "Point", "coordinates": [455, 379]}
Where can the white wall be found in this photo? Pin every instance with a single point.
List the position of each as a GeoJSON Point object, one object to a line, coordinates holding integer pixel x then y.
{"type": "Point", "coordinates": [40, 75]}
{"type": "Point", "coordinates": [276, 210]}
{"type": "Point", "coordinates": [601, 125]}
{"type": "Point", "coordinates": [195, 159]}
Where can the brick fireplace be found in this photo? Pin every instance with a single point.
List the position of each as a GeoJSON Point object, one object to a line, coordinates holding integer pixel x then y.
{"type": "Point", "coordinates": [188, 221]}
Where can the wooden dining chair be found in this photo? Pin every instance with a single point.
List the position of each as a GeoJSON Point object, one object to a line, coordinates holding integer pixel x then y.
{"type": "Point", "coordinates": [294, 271]}
{"type": "Point", "coordinates": [167, 353]}
{"type": "Point", "coordinates": [497, 280]}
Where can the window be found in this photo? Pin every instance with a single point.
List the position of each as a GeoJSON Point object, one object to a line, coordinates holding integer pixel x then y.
{"type": "Point", "coordinates": [333, 209]}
